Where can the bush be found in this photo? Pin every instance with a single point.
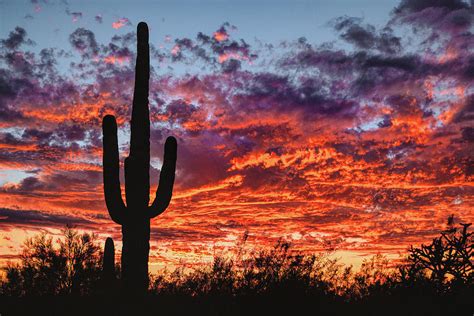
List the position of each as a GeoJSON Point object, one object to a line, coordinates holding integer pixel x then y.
{"type": "Point", "coordinates": [277, 280]}
{"type": "Point", "coordinates": [71, 267]}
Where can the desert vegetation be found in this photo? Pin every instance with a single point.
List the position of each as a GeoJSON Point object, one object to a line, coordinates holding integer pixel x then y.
{"type": "Point", "coordinates": [432, 279]}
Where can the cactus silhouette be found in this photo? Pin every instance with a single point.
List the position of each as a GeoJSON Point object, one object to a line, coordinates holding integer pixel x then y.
{"type": "Point", "coordinates": [108, 265]}
{"type": "Point", "coordinates": [134, 217]}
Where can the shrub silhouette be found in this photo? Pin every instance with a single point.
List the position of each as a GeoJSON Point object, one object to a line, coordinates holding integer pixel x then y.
{"type": "Point", "coordinates": [374, 276]}
{"type": "Point", "coordinates": [446, 262]}
{"type": "Point", "coordinates": [73, 267]}
{"type": "Point", "coordinates": [269, 281]}
{"type": "Point", "coordinates": [135, 216]}
{"type": "Point", "coordinates": [269, 272]}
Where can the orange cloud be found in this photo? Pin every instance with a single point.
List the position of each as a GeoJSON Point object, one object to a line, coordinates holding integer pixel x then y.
{"type": "Point", "coordinates": [120, 23]}
{"type": "Point", "coordinates": [231, 55]}
{"type": "Point", "coordinates": [220, 36]}
{"type": "Point", "coordinates": [175, 50]}
{"type": "Point", "coordinates": [116, 59]}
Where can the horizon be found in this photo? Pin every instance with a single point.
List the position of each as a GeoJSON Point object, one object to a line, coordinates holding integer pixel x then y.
{"type": "Point", "coordinates": [330, 125]}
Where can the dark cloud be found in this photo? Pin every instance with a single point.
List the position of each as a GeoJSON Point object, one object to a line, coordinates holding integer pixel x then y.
{"type": "Point", "coordinates": [386, 122]}
{"type": "Point", "coordinates": [469, 69]}
{"type": "Point", "coordinates": [52, 184]}
{"type": "Point", "coordinates": [468, 134]}
{"type": "Point", "coordinates": [440, 16]}
{"type": "Point", "coordinates": [466, 113]}
{"type": "Point", "coordinates": [28, 185]}
{"type": "Point", "coordinates": [84, 41]}
{"type": "Point", "coordinates": [179, 111]}
{"type": "Point", "coordinates": [216, 49]}
{"type": "Point", "coordinates": [167, 233]}
{"type": "Point", "coordinates": [412, 6]}
{"type": "Point", "coordinates": [70, 132]}
{"type": "Point", "coordinates": [98, 18]}
{"type": "Point", "coordinates": [119, 52]}
{"type": "Point", "coordinates": [366, 36]}
{"type": "Point", "coordinates": [336, 62]}
{"type": "Point", "coordinates": [353, 32]}
{"type": "Point", "coordinates": [405, 63]}
{"type": "Point", "coordinates": [231, 65]}
{"type": "Point", "coordinates": [36, 135]}
{"type": "Point", "coordinates": [269, 91]}
{"type": "Point", "coordinates": [33, 218]}
{"type": "Point", "coordinates": [387, 42]}
{"type": "Point", "coordinates": [15, 39]}
{"type": "Point", "coordinates": [75, 15]}
{"type": "Point", "coordinates": [9, 89]}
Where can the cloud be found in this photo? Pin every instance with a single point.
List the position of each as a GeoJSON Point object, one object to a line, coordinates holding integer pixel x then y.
{"type": "Point", "coordinates": [216, 49]}
{"type": "Point", "coordinates": [98, 18]}
{"type": "Point", "coordinates": [10, 218]}
{"type": "Point", "coordinates": [412, 6]}
{"type": "Point", "coordinates": [26, 186]}
{"type": "Point", "coordinates": [221, 34]}
{"type": "Point", "coordinates": [289, 138]}
{"type": "Point", "coordinates": [15, 39]}
{"type": "Point", "coordinates": [366, 36]}
{"type": "Point", "coordinates": [121, 23]}
{"type": "Point", "coordinates": [84, 41]}
{"type": "Point", "coordinates": [453, 16]}
{"type": "Point", "coordinates": [76, 16]}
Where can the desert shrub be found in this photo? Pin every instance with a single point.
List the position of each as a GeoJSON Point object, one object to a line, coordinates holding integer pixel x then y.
{"type": "Point", "coordinates": [444, 265]}
{"type": "Point", "coordinates": [275, 280]}
{"type": "Point", "coordinates": [71, 266]}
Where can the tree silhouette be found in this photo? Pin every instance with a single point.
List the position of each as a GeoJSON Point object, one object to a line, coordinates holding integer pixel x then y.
{"type": "Point", "coordinates": [447, 258]}
{"type": "Point", "coordinates": [73, 267]}
{"type": "Point", "coordinates": [135, 216]}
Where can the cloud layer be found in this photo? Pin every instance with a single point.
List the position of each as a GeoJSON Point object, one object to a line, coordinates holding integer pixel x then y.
{"type": "Point", "coordinates": [364, 145]}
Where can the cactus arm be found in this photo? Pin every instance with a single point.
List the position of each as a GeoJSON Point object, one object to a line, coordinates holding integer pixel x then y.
{"type": "Point", "coordinates": [112, 191]}
{"type": "Point", "coordinates": [165, 186]}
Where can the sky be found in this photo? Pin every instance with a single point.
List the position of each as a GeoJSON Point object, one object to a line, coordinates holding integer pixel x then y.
{"type": "Point", "coordinates": [339, 126]}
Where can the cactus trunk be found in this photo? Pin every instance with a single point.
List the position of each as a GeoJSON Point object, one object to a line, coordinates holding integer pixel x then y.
{"type": "Point", "coordinates": [135, 216]}
{"type": "Point", "coordinates": [135, 250]}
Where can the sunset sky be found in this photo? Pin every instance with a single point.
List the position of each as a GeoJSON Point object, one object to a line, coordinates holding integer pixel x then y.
{"type": "Point", "coordinates": [335, 125]}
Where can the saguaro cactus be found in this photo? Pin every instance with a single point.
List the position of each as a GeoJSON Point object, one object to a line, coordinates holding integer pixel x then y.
{"type": "Point", "coordinates": [136, 214]}
{"type": "Point", "coordinates": [108, 265]}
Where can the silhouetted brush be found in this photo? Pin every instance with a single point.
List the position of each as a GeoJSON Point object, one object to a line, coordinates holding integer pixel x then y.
{"type": "Point", "coordinates": [135, 216]}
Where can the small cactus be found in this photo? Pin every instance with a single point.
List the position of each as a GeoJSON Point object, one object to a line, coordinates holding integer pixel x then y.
{"type": "Point", "coordinates": [134, 217]}
{"type": "Point", "coordinates": [108, 264]}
